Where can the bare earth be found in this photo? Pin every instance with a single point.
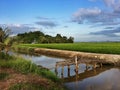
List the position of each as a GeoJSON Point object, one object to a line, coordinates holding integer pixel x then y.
{"type": "Point", "coordinates": [15, 77]}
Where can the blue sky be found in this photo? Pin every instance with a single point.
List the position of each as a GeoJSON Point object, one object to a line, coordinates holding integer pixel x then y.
{"type": "Point", "coordinates": [85, 20]}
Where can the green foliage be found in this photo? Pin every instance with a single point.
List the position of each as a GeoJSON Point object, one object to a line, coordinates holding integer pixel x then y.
{"type": "Point", "coordinates": [3, 76]}
{"type": "Point", "coordinates": [100, 47]}
{"type": "Point", "coordinates": [4, 56]}
{"type": "Point", "coordinates": [25, 66]}
{"type": "Point", "coordinates": [40, 37]}
{"type": "Point", "coordinates": [4, 33]}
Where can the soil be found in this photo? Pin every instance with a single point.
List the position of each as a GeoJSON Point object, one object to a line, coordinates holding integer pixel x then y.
{"type": "Point", "coordinates": [16, 77]}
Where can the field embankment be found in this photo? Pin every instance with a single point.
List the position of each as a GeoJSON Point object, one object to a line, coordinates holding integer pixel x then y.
{"type": "Point", "coordinates": [101, 58]}
{"type": "Point", "coordinates": [19, 74]}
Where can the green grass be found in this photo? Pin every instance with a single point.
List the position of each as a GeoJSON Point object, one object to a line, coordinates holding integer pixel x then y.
{"type": "Point", "coordinates": [25, 67]}
{"type": "Point", "coordinates": [3, 76]}
{"type": "Point", "coordinates": [4, 56]}
{"type": "Point", "coordinates": [94, 47]}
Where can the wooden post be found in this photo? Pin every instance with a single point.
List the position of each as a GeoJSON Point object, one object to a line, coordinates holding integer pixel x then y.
{"type": "Point", "coordinates": [100, 64]}
{"type": "Point", "coordinates": [86, 67]}
{"type": "Point", "coordinates": [94, 65]}
{"type": "Point", "coordinates": [56, 69]}
{"type": "Point", "coordinates": [62, 73]}
{"type": "Point", "coordinates": [68, 70]}
{"type": "Point", "coordinates": [76, 64]}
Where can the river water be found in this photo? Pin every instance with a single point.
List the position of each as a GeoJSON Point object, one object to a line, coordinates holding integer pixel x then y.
{"type": "Point", "coordinates": [105, 78]}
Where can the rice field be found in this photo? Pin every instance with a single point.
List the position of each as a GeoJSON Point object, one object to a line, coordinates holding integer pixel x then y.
{"type": "Point", "coordinates": [94, 47]}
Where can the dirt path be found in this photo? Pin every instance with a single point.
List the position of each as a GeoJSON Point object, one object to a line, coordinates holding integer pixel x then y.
{"type": "Point", "coordinates": [15, 77]}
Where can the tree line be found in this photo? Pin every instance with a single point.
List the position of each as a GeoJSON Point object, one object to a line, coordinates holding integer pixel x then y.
{"type": "Point", "coordinates": [40, 37]}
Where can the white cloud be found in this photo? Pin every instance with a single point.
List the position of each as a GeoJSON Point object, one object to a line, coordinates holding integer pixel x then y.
{"type": "Point", "coordinates": [109, 2]}
{"type": "Point", "coordinates": [20, 28]}
{"type": "Point", "coordinates": [85, 14]}
{"type": "Point", "coordinates": [114, 4]}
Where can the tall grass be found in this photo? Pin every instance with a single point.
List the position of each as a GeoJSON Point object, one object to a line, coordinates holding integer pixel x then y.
{"type": "Point", "coordinates": [4, 56]}
{"type": "Point", "coordinates": [25, 67]}
{"type": "Point", "coordinates": [96, 47]}
{"type": "Point", "coordinates": [3, 76]}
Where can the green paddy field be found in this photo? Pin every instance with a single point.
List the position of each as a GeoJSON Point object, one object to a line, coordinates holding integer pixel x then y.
{"type": "Point", "coordinates": [93, 47]}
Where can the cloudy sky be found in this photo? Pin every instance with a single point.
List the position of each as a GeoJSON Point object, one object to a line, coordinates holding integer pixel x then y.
{"type": "Point", "coordinates": [85, 20]}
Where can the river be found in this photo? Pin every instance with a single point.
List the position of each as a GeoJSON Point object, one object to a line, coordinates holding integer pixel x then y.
{"type": "Point", "coordinates": [105, 78]}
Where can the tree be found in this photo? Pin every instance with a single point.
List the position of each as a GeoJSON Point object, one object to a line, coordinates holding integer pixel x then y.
{"type": "Point", "coordinates": [40, 37]}
{"type": "Point", "coordinates": [4, 39]}
{"type": "Point", "coordinates": [4, 33]}
{"type": "Point", "coordinates": [70, 39]}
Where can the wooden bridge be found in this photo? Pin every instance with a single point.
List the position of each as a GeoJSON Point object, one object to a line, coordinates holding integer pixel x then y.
{"type": "Point", "coordinates": [85, 74]}
{"type": "Point", "coordinates": [76, 60]}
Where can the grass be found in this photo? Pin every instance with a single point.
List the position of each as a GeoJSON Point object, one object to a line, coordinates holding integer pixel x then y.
{"type": "Point", "coordinates": [27, 67]}
{"type": "Point", "coordinates": [4, 56]}
{"type": "Point", "coordinates": [3, 76]}
{"type": "Point", "coordinates": [94, 47]}
{"type": "Point", "coordinates": [26, 86]}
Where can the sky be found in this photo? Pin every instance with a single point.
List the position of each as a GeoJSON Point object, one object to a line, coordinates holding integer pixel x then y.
{"type": "Point", "coordinates": [85, 20]}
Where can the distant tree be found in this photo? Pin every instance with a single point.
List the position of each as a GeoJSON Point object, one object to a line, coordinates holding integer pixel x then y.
{"type": "Point", "coordinates": [70, 39]}
{"type": "Point", "coordinates": [65, 39]}
{"type": "Point", "coordinates": [58, 38]}
{"type": "Point", "coordinates": [40, 37]}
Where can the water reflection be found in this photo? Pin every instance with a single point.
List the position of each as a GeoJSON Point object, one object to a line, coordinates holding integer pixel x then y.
{"type": "Point", "coordinates": [105, 78]}
{"type": "Point", "coordinates": [45, 61]}
{"type": "Point", "coordinates": [102, 79]}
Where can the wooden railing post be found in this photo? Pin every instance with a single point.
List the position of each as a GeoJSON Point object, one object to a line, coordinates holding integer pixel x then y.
{"type": "Point", "coordinates": [68, 70]}
{"type": "Point", "coordinates": [76, 64]}
{"type": "Point", "coordinates": [62, 73]}
{"type": "Point", "coordinates": [56, 69]}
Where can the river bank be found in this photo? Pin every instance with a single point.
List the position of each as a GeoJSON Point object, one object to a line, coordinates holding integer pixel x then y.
{"type": "Point", "coordinates": [91, 79]}
{"type": "Point", "coordinates": [17, 73]}
{"type": "Point", "coordinates": [111, 59]}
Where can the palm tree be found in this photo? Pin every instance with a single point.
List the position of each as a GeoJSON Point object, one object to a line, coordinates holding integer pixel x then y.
{"type": "Point", "coordinates": [4, 34]}
{"type": "Point", "coordinates": [4, 39]}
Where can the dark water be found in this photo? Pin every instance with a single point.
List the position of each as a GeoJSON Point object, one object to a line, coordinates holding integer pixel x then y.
{"type": "Point", "coordinates": [105, 78]}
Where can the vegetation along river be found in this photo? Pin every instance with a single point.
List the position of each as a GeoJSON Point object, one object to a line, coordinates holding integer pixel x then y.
{"type": "Point", "coordinates": [105, 78]}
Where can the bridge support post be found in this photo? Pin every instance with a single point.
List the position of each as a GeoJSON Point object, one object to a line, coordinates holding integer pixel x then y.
{"type": "Point", "coordinates": [68, 70]}
{"type": "Point", "coordinates": [76, 64]}
{"type": "Point", "coordinates": [62, 71]}
{"type": "Point", "coordinates": [101, 65]}
{"type": "Point", "coordinates": [87, 67]}
{"type": "Point", "coordinates": [94, 65]}
{"type": "Point", "coordinates": [56, 69]}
